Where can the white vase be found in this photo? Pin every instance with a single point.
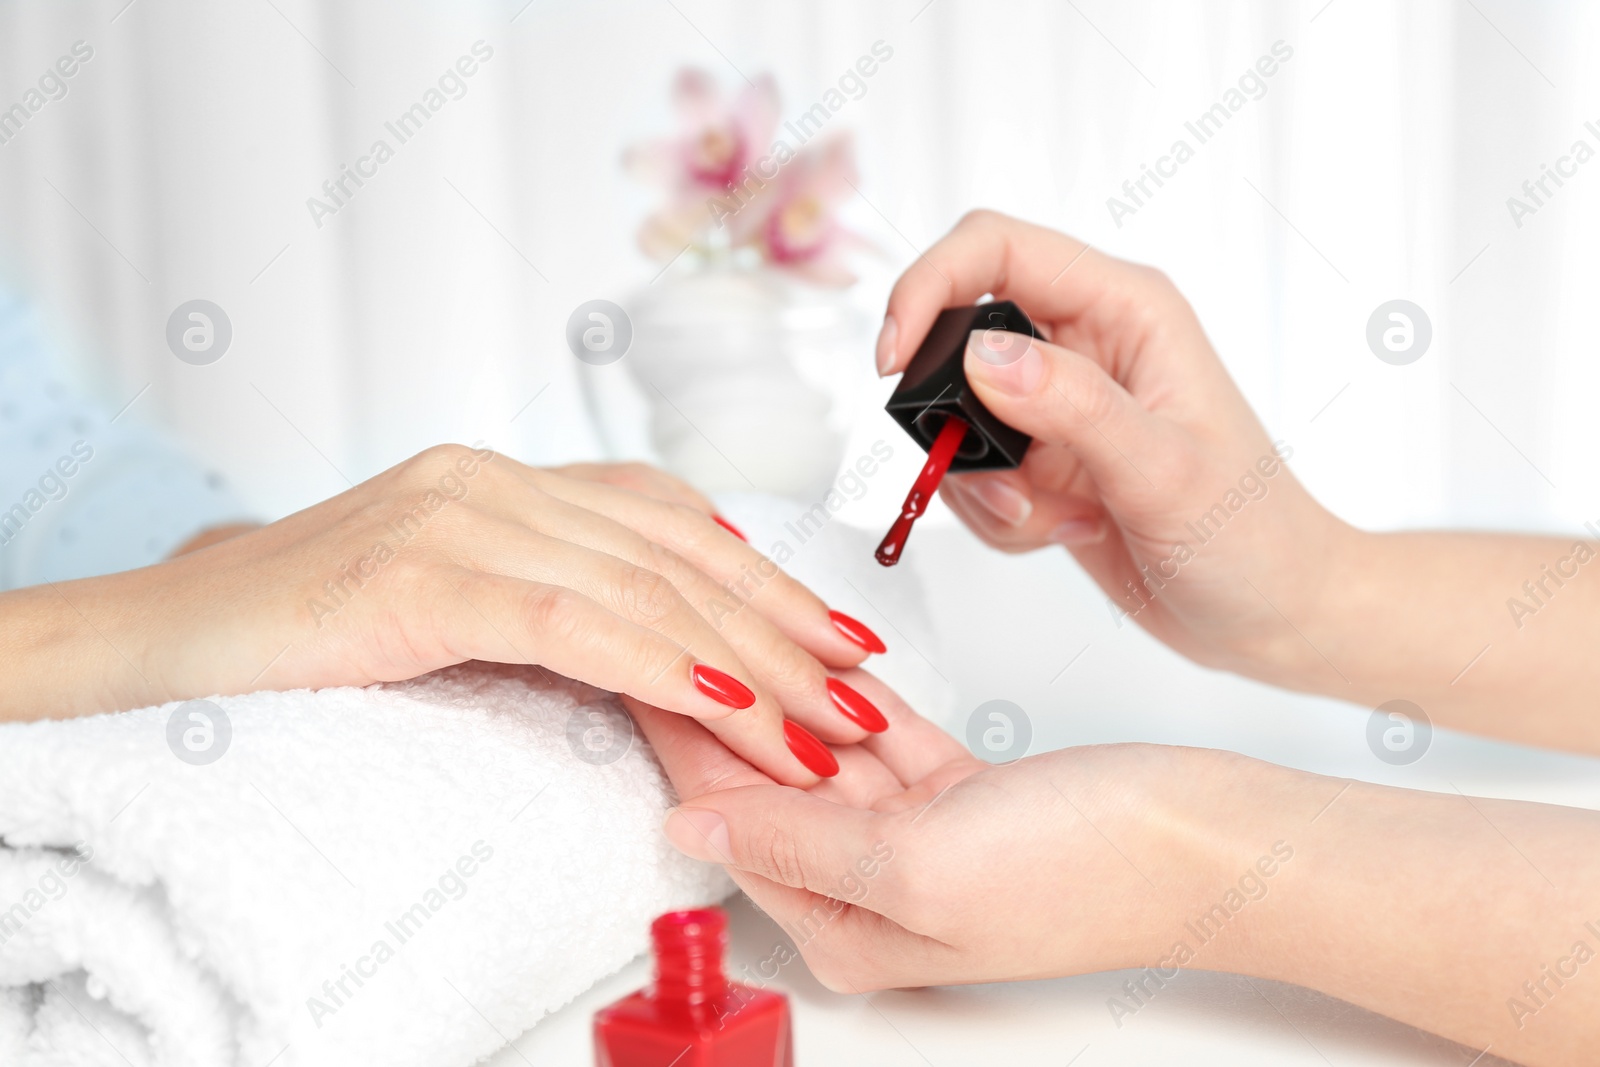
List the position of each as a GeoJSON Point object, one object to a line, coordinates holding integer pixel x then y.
{"type": "Point", "coordinates": [739, 368]}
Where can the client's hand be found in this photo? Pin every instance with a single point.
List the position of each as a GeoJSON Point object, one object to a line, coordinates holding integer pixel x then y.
{"type": "Point", "coordinates": [1148, 463]}
{"type": "Point", "coordinates": [456, 555]}
{"type": "Point", "coordinates": [918, 865]}
{"type": "Point", "coordinates": [921, 865]}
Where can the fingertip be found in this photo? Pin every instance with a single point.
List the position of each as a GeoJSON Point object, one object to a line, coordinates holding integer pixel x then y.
{"type": "Point", "coordinates": [815, 756]}
{"type": "Point", "coordinates": [699, 833]}
{"type": "Point", "coordinates": [857, 633]}
{"type": "Point", "coordinates": [1010, 363]}
{"type": "Point", "coordinates": [887, 350]}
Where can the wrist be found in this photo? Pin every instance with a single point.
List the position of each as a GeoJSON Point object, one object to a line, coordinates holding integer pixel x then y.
{"type": "Point", "coordinates": [1224, 831]}
{"type": "Point", "coordinates": [65, 655]}
{"type": "Point", "coordinates": [1304, 615]}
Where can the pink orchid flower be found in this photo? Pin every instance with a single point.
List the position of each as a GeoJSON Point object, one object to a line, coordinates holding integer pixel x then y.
{"type": "Point", "coordinates": [710, 158]}
{"type": "Point", "coordinates": [730, 186]}
{"type": "Point", "coordinates": [802, 231]}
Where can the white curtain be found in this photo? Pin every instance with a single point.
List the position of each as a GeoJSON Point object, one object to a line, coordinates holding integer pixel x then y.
{"type": "Point", "coordinates": [1376, 164]}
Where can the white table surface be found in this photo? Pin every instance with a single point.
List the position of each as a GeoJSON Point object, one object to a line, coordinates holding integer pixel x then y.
{"type": "Point", "coordinates": [1017, 622]}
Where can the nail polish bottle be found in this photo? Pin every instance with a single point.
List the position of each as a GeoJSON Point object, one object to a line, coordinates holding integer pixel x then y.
{"type": "Point", "coordinates": [934, 387]}
{"type": "Point", "coordinates": [935, 404]}
{"type": "Point", "coordinates": [692, 1016]}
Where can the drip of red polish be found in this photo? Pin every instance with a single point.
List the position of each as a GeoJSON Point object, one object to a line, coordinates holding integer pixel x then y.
{"type": "Point", "coordinates": [940, 457]}
{"type": "Point", "coordinates": [857, 631]}
{"type": "Point", "coordinates": [730, 527]}
{"type": "Point", "coordinates": [808, 750]}
{"type": "Point", "coordinates": [857, 708]}
{"type": "Point", "coordinates": [722, 687]}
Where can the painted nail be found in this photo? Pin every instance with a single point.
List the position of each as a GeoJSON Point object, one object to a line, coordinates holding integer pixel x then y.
{"type": "Point", "coordinates": [808, 750]}
{"type": "Point", "coordinates": [699, 834]}
{"type": "Point", "coordinates": [886, 344]}
{"type": "Point", "coordinates": [1000, 498]}
{"type": "Point", "coordinates": [857, 631]}
{"type": "Point", "coordinates": [730, 527]}
{"type": "Point", "coordinates": [722, 687]}
{"type": "Point", "coordinates": [857, 708]}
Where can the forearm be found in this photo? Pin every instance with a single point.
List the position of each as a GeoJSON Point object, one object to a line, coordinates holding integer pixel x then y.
{"type": "Point", "coordinates": [1475, 919]}
{"type": "Point", "coordinates": [1434, 909]}
{"type": "Point", "coordinates": [65, 654]}
{"type": "Point", "coordinates": [1490, 633]}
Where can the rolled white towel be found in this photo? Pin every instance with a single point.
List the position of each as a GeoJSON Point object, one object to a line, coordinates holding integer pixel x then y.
{"type": "Point", "coordinates": [403, 874]}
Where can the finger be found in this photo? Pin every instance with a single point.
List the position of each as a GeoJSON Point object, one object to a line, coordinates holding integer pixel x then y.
{"type": "Point", "coordinates": [1016, 523]}
{"type": "Point", "coordinates": [1049, 274]}
{"type": "Point", "coordinates": [580, 546]}
{"type": "Point", "coordinates": [913, 747]}
{"type": "Point", "coordinates": [786, 835]}
{"type": "Point", "coordinates": [849, 947]}
{"type": "Point", "coordinates": [862, 780]}
{"type": "Point", "coordinates": [697, 762]}
{"type": "Point", "coordinates": [749, 576]}
{"type": "Point", "coordinates": [1065, 398]}
{"type": "Point", "coordinates": [641, 478]}
{"type": "Point", "coordinates": [512, 620]}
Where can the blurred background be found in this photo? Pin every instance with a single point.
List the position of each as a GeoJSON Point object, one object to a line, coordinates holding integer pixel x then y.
{"type": "Point", "coordinates": [1374, 164]}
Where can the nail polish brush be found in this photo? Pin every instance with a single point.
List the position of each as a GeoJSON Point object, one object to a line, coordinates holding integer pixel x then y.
{"type": "Point", "coordinates": [936, 405]}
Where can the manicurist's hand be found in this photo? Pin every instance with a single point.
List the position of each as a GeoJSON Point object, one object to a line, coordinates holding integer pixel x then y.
{"type": "Point", "coordinates": [918, 865]}
{"type": "Point", "coordinates": [1144, 448]}
{"type": "Point", "coordinates": [1149, 466]}
{"type": "Point", "coordinates": [461, 554]}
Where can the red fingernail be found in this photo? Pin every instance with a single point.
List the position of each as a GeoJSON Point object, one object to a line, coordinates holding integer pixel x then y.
{"type": "Point", "coordinates": [722, 687]}
{"type": "Point", "coordinates": [808, 750]}
{"type": "Point", "coordinates": [856, 631]}
{"type": "Point", "coordinates": [857, 708]}
{"type": "Point", "coordinates": [731, 528]}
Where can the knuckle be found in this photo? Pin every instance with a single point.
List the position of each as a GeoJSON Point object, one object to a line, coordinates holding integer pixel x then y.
{"type": "Point", "coordinates": [980, 218]}
{"type": "Point", "coordinates": [692, 528]}
{"type": "Point", "coordinates": [777, 853]}
{"type": "Point", "coordinates": [438, 461]}
{"type": "Point", "coordinates": [1157, 279]}
{"type": "Point", "coordinates": [691, 518]}
{"type": "Point", "coordinates": [1091, 396]}
{"type": "Point", "coordinates": [444, 454]}
{"type": "Point", "coordinates": [789, 669]}
{"type": "Point", "coordinates": [659, 558]}
{"type": "Point", "coordinates": [647, 595]}
{"type": "Point", "coordinates": [553, 613]}
{"type": "Point", "coordinates": [641, 473]}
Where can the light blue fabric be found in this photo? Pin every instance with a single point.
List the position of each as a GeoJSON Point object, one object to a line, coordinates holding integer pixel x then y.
{"type": "Point", "coordinates": [80, 494]}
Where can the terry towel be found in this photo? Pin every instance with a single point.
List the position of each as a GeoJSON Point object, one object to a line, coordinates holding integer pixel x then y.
{"type": "Point", "coordinates": [411, 873]}
{"type": "Point", "coordinates": [403, 874]}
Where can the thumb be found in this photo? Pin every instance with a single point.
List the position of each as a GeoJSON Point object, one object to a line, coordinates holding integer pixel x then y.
{"type": "Point", "coordinates": [1065, 398]}
{"type": "Point", "coordinates": [782, 834]}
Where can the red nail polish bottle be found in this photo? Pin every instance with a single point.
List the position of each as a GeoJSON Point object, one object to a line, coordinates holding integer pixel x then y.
{"type": "Point", "coordinates": [693, 1016]}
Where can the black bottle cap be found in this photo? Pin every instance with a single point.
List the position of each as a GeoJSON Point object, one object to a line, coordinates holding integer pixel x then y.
{"type": "Point", "coordinates": [934, 387]}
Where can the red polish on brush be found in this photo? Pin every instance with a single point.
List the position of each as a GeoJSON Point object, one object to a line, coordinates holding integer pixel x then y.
{"type": "Point", "coordinates": [693, 1016]}
{"type": "Point", "coordinates": [933, 387]}
{"type": "Point", "coordinates": [922, 490]}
